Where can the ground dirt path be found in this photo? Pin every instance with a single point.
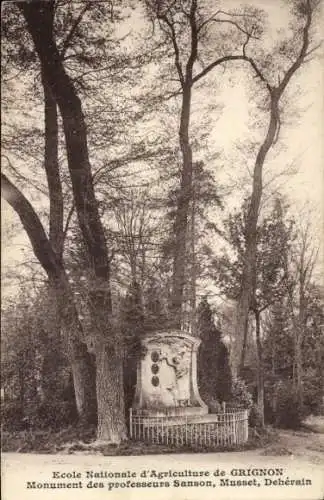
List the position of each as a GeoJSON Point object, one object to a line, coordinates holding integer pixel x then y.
{"type": "Point", "coordinates": [307, 444]}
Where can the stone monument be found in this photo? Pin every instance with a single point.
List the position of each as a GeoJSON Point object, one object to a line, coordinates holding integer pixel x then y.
{"type": "Point", "coordinates": [167, 375]}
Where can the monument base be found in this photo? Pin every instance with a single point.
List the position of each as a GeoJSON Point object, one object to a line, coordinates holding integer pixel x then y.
{"type": "Point", "coordinates": [177, 411]}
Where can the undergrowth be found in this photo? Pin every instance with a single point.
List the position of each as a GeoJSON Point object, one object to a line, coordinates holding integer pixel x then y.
{"type": "Point", "coordinates": [74, 440]}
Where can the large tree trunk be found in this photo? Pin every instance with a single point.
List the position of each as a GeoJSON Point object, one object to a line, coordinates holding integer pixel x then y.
{"type": "Point", "coordinates": [39, 18]}
{"type": "Point", "coordinates": [183, 205]}
{"type": "Point", "coordinates": [107, 344]}
{"type": "Point", "coordinates": [78, 355]}
{"type": "Point", "coordinates": [111, 412]}
{"type": "Point", "coordinates": [260, 378]}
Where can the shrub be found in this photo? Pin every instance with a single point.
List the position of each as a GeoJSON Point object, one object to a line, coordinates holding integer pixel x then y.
{"type": "Point", "coordinates": [241, 397]}
{"type": "Point", "coordinates": [255, 417]}
{"type": "Point", "coordinates": [12, 416]}
{"type": "Point", "coordinates": [53, 414]}
{"type": "Point", "coordinates": [313, 393]}
{"type": "Point", "coordinates": [214, 406]}
{"type": "Point", "coordinates": [282, 406]}
{"type": "Point", "coordinates": [50, 414]}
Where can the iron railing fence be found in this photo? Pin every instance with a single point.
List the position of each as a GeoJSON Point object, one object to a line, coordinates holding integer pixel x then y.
{"type": "Point", "coordinates": [226, 429]}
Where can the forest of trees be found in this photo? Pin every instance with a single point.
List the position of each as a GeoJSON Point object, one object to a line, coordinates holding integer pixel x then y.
{"type": "Point", "coordinates": [111, 170]}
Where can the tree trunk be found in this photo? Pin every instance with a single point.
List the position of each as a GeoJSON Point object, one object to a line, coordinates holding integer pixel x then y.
{"type": "Point", "coordinates": [299, 331]}
{"type": "Point", "coordinates": [39, 17]}
{"type": "Point", "coordinates": [193, 280]}
{"type": "Point", "coordinates": [181, 220]}
{"type": "Point", "coordinates": [249, 263]}
{"type": "Point", "coordinates": [111, 411]}
{"type": "Point", "coordinates": [260, 379]}
{"type": "Point", "coordinates": [21, 382]}
{"type": "Point", "coordinates": [299, 371]}
{"type": "Point", "coordinates": [83, 373]}
{"type": "Point", "coordinates": [52, 171]}
{"type": "Point", "coordinates": [82, 364]}
{"type": "Point", "coordinates": [109, 372]}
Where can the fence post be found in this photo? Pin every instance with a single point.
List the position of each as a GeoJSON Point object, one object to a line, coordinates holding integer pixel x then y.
{"type": "Point", "coordinates": [246, 426]}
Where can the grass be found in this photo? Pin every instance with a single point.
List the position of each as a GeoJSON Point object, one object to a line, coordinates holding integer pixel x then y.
{"type": "Point", "coordinates": [44, 441]}
{"type": "Point", "coordinates": [74, 440]}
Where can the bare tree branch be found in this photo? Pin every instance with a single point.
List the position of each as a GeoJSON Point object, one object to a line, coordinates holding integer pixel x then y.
{"type": "Point", "coordinates": [32, 225]}
{"type": "Point", "coordinates": [67, 41]}
{"type": "Point", "coordinates": [24, 178]}
{"type": "Point", "coordinates": [218, 62]}
{"type": "Point", "coordinates": [303, 51]}
{"type": "Point", "coordinates": [175, 47]}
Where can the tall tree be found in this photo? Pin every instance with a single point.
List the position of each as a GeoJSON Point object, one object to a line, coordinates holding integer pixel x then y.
{"type": "Point", "coordinates": [185, 26]}
{"type": "Point", "coordinates": [204, 198]}
{"type": "Point", "coordinates": [107, 343]}
{"type": "Point", "coordinates": [300, 272]}
{"type": "Point", "coordinates": [274, 75]}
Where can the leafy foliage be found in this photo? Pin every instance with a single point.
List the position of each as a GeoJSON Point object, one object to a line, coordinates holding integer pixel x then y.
{"type": "Point", "coordinates": [274, 239]}
{"type": "Point", "coordinates": [241, 397]}
{"type": "Point", "coordinates": [214, 374]}
{"type": "Point", "coordinates": [279, 363]}
{"type": "Point", "coordinates": [38, 391]}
